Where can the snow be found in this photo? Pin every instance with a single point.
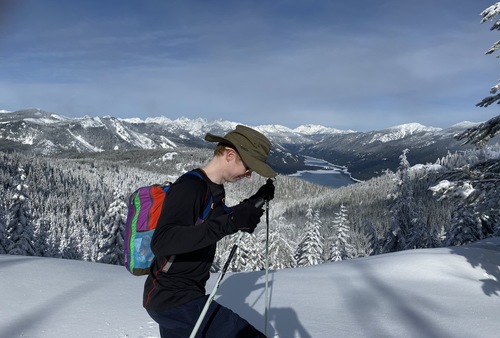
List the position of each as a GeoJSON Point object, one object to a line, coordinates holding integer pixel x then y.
{"type": "Point", "coordinates": [307, 129]}
{"type": "Point", "coordinates": [465, 124]}
{"type": "Point", "coordinates": [311, 129]}
{"type": "Point", "coordinates": [445, 292]}
{"type": "Point", "coordinates": [84, 142]}
{"type": "Point", "coordinates": [414, 127]}
{"type": "Point", "coordinates": [445, 186]}
{"type": "Point", "coordinates": [169, 156]}
{"type": "Point", "coordinates": [427, 167]}
{"type": "Point", "coordinates": [166, 143]}
{"type": "Point", "coordinates": [401, 131]}
{"type": "Point", "coordinates": [129, 136]}
{"type": "Point", "coordinates": [28, 139]}
{"type": "Point", "coordinates": [41, 120]}
{"type": "Point", "coordinates": [92, 122]}
{"type": "Point", "coordinates": [490, 12]}
{"type": "Point", "coordinates": [134, 120]}
{"type": "Point", "coordinates": [120, 130]}
{"type": "Point", "coordinates": [273, 129]}
{"type": "Point", "coordinates": [159, 120]}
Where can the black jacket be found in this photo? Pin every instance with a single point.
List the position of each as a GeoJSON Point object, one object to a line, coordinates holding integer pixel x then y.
{"type": "Point", "coordinates": [193, 245]}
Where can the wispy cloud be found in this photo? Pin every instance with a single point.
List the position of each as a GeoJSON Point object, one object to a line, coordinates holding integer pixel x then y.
{"type": "Point", "coordinates": [359, 67]}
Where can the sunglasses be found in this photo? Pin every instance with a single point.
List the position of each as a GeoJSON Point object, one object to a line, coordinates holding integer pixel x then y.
{"type": "Point", "coordinates": [248, 171]}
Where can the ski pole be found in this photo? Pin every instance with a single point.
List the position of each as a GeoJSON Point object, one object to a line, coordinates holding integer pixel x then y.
{"type": "Point", "coordinates": [266, 288]}
{"type": "Point", "coordinates": [211, 297]}
{"type": "Point", "coordinates": [217, 284]}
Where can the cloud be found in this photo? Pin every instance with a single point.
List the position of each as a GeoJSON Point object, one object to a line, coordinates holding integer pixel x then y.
{"type": "Point", "coordinates": [366, 67]}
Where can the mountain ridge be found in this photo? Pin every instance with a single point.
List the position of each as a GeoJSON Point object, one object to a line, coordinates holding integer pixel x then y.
{"type": "Point", "coordinates": [365, 154]}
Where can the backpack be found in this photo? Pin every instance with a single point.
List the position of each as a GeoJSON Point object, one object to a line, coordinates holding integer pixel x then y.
{"type": "Point", "coordinates": [144, 209]}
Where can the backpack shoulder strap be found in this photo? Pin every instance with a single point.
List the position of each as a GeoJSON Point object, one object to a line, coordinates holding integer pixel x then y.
{"type": "Point", "coordinates": [206, 211]}
{"type": "Point", "coordinates": [208, 195]}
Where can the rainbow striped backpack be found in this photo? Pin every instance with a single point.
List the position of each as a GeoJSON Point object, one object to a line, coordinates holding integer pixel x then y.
{"type": "Point", "coordinates": [144, 209]}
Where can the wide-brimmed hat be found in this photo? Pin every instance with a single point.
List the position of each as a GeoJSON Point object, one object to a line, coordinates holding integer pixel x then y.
{"type": "Point", "coordinates": [252, 146]}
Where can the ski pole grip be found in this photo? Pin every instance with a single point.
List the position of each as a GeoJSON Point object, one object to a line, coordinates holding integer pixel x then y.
{"type": "Point", "coordinates": [260, 202]}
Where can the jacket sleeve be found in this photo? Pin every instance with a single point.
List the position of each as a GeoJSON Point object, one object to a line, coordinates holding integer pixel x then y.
{"type": "Point", "coordinates": [176, 232]}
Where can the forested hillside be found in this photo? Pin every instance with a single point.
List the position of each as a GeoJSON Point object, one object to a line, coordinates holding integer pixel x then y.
{"type": "Point", "coordinates": [75, 206]}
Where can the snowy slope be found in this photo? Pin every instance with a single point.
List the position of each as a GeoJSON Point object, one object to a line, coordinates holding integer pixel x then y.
{"type": "Point", "coordinates": [447, 292]}
{"type": "Point", "coordinates": [401, 131]}
{"type": "Point", "coordinates": [366, 154]}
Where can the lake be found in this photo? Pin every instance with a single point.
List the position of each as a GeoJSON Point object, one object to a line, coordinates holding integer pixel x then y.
{"type": "Point", "coordinates": [327, 174]}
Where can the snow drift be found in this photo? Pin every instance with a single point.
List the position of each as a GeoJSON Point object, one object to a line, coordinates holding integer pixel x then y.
{"type": "Point", "coordinates": [445, 292]}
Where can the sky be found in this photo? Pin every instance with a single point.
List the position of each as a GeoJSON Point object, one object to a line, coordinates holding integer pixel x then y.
{"type": "Point", "coordinates": [431, 293]}
{"type": "Point", "coordinates": [359, 65]}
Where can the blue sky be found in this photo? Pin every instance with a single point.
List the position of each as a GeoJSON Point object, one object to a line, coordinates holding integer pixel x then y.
{"type": "Point", "coordinates": [363, 65]}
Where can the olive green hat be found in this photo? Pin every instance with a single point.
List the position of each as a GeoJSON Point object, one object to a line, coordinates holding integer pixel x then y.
{"type": "Point", "coordinates": [252, 146]}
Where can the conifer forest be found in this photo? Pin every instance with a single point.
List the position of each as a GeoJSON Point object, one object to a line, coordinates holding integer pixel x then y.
{"type": "Point", "coordinates": [74, 206]}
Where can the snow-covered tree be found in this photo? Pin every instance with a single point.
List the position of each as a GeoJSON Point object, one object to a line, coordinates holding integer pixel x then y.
{"type": "Point", "coordinates": [402, 209]}
{"type": "Point", "coordinates": [474, 190]}
{"type": "Point", "coordinates": [3, 212]}
{"type": "Point", "coordinates": [3, 236]}
{"type": "Point", "coordinates": [20, 225]}
{"type": "Point", "coordinates": [341, 248]}
{"type": "Point", "coordinates": [69, 242]}
{"type": "Point", "coordinates": [41, 238]}
{"type": "Point", "coordinates": [481, 134]}
{"type": "Point", "coordinates": [55, 241]}
{"type": "Point", "coordinates": [310, 247]}
{"type": "Point", "coordinates": [249, 255]}
{"type": "Point", "coordinates": [363, 242]}
{"type": "Point", "coordinates": [111, 239]}
{"type": "Point", "coordinates": [224, 248]}
{"type": "Point", "coordinates": [281, 245]}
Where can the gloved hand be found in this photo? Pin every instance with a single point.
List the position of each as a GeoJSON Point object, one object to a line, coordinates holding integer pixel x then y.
{"type": "Point", "coordinates": [245, 216]}
{"type": "Point", "coordinates": [265, 192]}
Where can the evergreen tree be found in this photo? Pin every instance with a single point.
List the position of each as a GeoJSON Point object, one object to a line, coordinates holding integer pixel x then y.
{"type": "Point", "coordinates": [406, 214]}
{"type": "Point", "coordinates": [481, 134]}
{"type": "Point", "coordinates": [310, 247]}
{"type": "Point", "coordinates": [54, 240]}
{"type": "Point", "coordinates": [466, 229]}
{"type": "Point", "coordinates": [222, 253]}
{"type": "Point", "coordinates": [41, 237]}
{"type": "Point", "coordinates": [3, 212]}
{"type": "Point", "coordinates": [474, 191]}
{"type": "Point", "coordinates": [3, 236]}
{"type": "Point", "coordinates": [281, 245]}
{"type": "Point", "coordinates": [86, 244]}
{"type": "Point", "coordinates": [341, 248]}
{"type": "Point", "coordinates": [20, 226]}
{"type": "Point", "coordinates": [69, 243]}
{"type": "Point", "coordinates": [362, 243]}
{"type": "Point", "coordinates": [111, 239]}
{"type": "Point", "coordinates": [249, 255]}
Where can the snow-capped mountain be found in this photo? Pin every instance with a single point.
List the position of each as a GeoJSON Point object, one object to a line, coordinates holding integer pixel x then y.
{"type": "Point", "coordinates": [312, 129]}
{"type": "Point", "coordinates": [370, 153]}
{"type": "Point", "coordinates": [363, 153]}
{"type": "Point", "coordinates": [402, 131]}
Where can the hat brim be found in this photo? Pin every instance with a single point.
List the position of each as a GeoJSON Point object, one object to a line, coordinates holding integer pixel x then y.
{"type": "Point", "coordinates": [261, 168]}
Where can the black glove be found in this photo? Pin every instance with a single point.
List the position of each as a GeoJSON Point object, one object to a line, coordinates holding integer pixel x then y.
{"type": "Point", "coordinates": [245, 216]}
{"type": "Point", "coordinates": [265, 192]}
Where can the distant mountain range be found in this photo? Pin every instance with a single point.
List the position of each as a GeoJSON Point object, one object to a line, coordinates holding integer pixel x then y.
{"type": "Point", "coordinates": [365, 154]}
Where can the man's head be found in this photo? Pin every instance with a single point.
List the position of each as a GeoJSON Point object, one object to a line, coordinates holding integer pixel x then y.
{"type": "Point", "coordinates": [251, 146]}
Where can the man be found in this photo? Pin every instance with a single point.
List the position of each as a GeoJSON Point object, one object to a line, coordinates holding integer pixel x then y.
{"type": "Point", "coordinates": [175, 298]}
